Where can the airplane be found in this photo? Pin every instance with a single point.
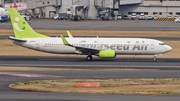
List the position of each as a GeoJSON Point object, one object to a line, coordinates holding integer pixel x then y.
{"type": "Point", "coordinates": [102, 47]}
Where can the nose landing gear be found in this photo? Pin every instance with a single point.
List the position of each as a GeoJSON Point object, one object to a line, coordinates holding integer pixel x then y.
{"type": "Point", "coordinates": [156, 56]}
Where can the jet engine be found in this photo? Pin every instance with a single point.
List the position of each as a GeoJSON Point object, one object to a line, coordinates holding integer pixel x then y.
{"type": "Point", "coordinates": [107, 54]}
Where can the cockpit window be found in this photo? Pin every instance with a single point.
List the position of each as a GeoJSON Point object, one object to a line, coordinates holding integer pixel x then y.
{"type": "Point", "coordinates": [161, 43]}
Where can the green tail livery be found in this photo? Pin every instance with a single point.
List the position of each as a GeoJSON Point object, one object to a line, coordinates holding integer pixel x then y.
{"type": "Point", "coordinates": [21, 27]}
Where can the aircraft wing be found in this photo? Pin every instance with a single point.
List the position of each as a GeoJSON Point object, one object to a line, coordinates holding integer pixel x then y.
{"type": "Point", "coordinates": [80, 48]}
{"type": "Point", "coordinates": [86, 50]}
{"type": "Point", "coordinates": [16, 39]}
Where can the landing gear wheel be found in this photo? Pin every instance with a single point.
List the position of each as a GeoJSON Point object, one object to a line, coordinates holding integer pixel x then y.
{"type": "Point", "coordinates": [89, 58]}
{"type": "Point", "coordinates": [155, 58]}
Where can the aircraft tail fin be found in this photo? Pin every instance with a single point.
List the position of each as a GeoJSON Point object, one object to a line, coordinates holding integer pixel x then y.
{"type": "Point", "coordinates": [69, 34]}
{"type": "Point", "coordinates": [21, 28]}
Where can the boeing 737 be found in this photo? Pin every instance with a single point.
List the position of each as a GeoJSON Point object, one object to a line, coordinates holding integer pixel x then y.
{"type": "Point", "coordinates": [102, 47]}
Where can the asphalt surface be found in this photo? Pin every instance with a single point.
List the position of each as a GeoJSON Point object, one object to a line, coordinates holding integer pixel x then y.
{"type": "Point", "coordinates": [40, 96]}
{"type": "Point", "coordinates": [96, 74]}
{"type": "Point", "coordinates": [80, 62]}
{"type": "Point", "coordinates": [143, 25]}
{"type": "Point", "coordinates": [162, 68]}
{"type": "Point", "coordinates": [158, 38]}
{"type": "Point", "coordinates": [7, 94]}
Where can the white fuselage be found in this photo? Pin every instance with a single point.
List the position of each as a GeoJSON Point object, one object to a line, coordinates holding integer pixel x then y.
{"type": "Point", "coordinates": [120, 45]}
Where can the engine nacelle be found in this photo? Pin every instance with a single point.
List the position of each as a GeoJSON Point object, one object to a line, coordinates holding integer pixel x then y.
{"type": "Point", "coordinates": [107, 54]}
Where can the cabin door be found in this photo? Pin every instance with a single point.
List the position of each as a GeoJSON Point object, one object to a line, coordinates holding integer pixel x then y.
{"type": "Point", "coordinates": [37, 44]}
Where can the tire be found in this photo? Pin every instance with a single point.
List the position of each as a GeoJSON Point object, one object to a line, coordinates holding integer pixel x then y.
{"type": "Point", "coordinates": [89, 58]}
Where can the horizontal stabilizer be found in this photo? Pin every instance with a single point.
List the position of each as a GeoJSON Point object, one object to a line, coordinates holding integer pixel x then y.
{"type": "Point", "coordinates": [16, 39]}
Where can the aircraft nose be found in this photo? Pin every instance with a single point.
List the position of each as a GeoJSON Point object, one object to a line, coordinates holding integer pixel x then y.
{"type": "Point", "coordinates": [168, 48]}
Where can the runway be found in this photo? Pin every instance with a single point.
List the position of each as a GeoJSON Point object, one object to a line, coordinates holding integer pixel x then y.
{"type": "Point", "coordinates": [126, 25]}
{"type": "Point", "coordinates": [158, 38]}
{"type": "Point", "coordinates": [162, 68]}
{"type": "Point", "coordinates": [43, 96]}
{"type": "Point", "coordinates": [80, 62]}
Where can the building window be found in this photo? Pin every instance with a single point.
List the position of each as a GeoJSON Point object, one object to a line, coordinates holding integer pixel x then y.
{"type": "Point", "coordinates": [129, 13]}
{"type": "Point", "coordinates": [138, 13]}
{"type": "Point", "coordinates": [154, 13]}
{"type": "Point", "coordinates": [145, 13]}
{"type": "Point", "coordinates": [171, 13]}
{"type": "Point", "coordinates": [177, 13]}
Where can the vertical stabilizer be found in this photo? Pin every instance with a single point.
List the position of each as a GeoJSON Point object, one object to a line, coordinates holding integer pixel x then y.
{"type": "Point", "coordinates": [21, 27]}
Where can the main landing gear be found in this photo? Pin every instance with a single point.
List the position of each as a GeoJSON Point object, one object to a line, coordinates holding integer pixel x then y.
{"type": "Point", "coordinates": [155, 57]}
{"type": "Point", "coordinates": [89, 58]}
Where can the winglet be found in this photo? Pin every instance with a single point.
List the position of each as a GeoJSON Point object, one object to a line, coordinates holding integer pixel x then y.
{"type": "Point", "coordinates": [69, 34]}
{"type": "Point", "coordinates": [65, 42]}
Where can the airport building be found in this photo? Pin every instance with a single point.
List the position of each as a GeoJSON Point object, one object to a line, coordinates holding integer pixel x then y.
{"type": "Point", "coordinates": [94, 9]}
{"type": "Point", "coordinates": [161, 8]}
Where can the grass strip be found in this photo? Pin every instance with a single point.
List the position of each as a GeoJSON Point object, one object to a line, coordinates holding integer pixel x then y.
{"type": "Point", "coordinates": [108, 86]}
